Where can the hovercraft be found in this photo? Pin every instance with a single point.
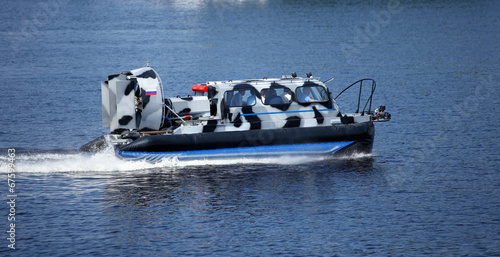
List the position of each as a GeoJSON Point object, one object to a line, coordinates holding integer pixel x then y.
{"type": "Point", "coordinates": [254, 118]}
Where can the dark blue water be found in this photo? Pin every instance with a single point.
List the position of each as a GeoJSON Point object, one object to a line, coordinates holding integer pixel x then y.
{"type": "Point", "coordinates": [430, 187]}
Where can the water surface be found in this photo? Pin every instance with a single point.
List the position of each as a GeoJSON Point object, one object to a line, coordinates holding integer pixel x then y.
{"type": "Point", "coordinates": [430, 187]}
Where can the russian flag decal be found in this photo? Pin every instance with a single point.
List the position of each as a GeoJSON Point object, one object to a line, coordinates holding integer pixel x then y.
{"type": "Point", "coordinates": [151, 92]}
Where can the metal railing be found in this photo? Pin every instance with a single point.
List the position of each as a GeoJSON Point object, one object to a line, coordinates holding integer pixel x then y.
{"type": "Point", "coordinates": [369, 100]}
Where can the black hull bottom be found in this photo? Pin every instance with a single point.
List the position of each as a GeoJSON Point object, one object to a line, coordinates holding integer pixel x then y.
{"type": "Point", "coordinates": [362, 133]}
{"type": "Point", "coordinates": [345, 139]}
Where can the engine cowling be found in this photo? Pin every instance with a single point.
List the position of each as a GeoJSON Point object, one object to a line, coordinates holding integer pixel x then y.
{"type": "Point", "coordinates": [133, 100]}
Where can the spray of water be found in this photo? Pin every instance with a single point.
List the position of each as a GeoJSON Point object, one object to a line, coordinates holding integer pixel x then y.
{"type": "Point", "coordinates": [65, 162]}
{"type": "Point", "coordinates": [106, 161]}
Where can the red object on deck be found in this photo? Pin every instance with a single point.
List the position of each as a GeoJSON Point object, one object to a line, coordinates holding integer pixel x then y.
{"type": "Point", "coordinates": [200, 88]}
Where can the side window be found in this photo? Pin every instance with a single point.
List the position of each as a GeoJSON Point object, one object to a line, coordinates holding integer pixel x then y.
{"type": "Point", "coordinates": [282, 95]}
{"type": "Point", "coordinates": [243, 97]}
{"type": "Point", "coordinates": [308, 94]}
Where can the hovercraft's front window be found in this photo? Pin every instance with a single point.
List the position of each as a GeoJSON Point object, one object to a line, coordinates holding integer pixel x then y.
{"type": "Point", "coordinates": [281, 95]}
{"type": "Point", "coordinates": [242, 97]}
{"type": "Point", "coordinates": [309, 94]}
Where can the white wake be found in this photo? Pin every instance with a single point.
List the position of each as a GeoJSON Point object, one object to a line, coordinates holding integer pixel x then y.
{"type": "Point", "coordinates": [57, 162]}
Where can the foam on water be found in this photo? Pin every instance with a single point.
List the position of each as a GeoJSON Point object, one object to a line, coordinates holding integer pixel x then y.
{"type": "Point", "coordinates": [72, 162]}
{"type": "Point", "coordinates": [57, 162]}
{"type": "Point", "coordinates": [355, 156]}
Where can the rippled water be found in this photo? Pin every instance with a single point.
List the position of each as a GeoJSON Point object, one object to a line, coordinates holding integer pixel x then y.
{"type": "Point", "coordinates": [430, 187]}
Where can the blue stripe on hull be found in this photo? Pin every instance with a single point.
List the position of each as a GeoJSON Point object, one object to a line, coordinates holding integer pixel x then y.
{"type": "Point", "coordinates": [243, 152]}
{"type": "Point", "coordinates": [268, 113]}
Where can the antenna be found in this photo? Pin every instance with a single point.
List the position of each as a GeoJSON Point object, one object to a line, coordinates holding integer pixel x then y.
{"type": "Point", "coordinates": [328, 80]}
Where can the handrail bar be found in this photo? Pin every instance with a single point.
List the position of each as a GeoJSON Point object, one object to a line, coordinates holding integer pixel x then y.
{"type": "Point", "coordinates": [369, 100]}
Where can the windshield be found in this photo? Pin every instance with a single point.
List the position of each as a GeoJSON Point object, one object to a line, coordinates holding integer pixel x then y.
{"type": "Point", "coordinates": [308, 94]}
{"type": "Point", "coordinates": [243, 97]}
{"type": "Point", "coordinates": [281, 95]}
